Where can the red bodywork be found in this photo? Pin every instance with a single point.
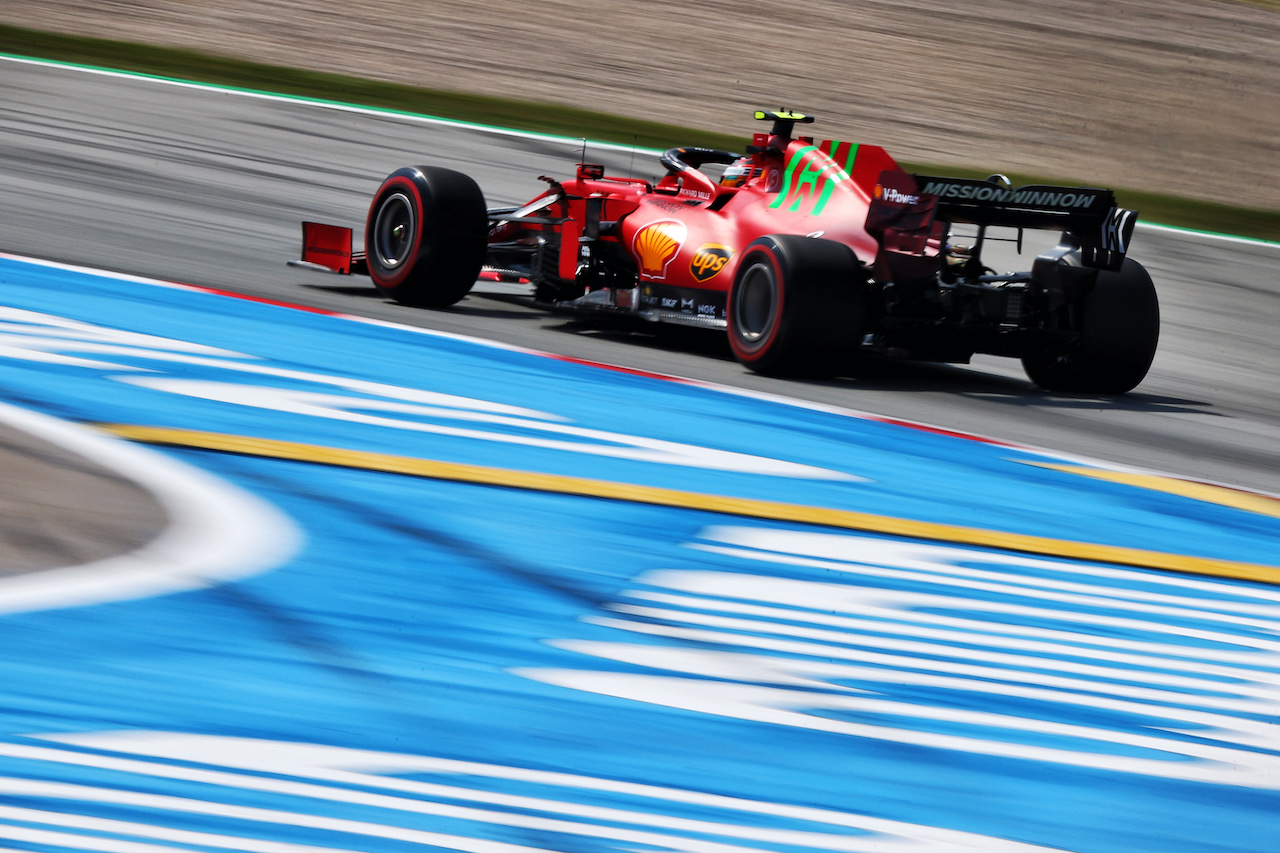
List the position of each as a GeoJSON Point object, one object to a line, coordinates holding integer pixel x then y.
{"type": "Point", "coordinates": [880, 276]}
{"type": "Point", "coordinates": [686, 233]}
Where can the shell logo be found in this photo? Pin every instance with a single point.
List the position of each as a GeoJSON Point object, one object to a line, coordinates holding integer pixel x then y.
{"type": "Point", "coordinates": [879, 190]}
{"type": "Point", "coordinates": [656, 244]}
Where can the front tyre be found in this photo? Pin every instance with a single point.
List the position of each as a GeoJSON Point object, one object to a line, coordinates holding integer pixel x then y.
{"type": "Point", "coordinates": [796, 305]}
{"type": "Point", "coordinates": [1118, 326]}
{"type": "Point", "coordinates": [426, 236]}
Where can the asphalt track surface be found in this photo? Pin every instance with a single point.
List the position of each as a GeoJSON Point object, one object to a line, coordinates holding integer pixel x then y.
{"type": "Point", "coordinates": [208, 187]}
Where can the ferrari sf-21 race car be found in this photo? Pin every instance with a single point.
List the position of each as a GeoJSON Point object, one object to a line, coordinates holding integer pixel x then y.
{"type": "Point", "coordinates": [804, 252]}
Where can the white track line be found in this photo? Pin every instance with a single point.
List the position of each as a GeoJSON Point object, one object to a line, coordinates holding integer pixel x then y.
{"type": "Point", "coordinates": [338, 106]}
{"type": "Point", "coordinates": [765, 396]}
{"type": "Point", "coordinates": [217, 532]}
{"type": "Point", "coordinates": [1207, 235]}
{"type": "Point", "coordinates": [466, 125]}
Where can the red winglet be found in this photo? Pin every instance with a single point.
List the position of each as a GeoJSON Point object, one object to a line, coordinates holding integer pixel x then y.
{"type": "Point", "coordinates": [327, 245]}
{"type": "Point", "coordinates": [569, 233]}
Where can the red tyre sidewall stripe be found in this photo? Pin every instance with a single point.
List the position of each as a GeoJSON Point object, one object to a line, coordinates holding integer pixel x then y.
{"type": "Point", "coordinates": [411, 189]}
{"type": "Point", "coordinates": [754, 354]}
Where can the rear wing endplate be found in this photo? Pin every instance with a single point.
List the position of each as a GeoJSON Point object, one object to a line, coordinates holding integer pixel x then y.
{"type": "Point", "coordinates": [1090, 214]}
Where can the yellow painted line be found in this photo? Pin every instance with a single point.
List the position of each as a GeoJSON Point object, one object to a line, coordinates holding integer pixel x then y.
{"type": "Point", "coordinates": [769, 510]}
{"type": "Point", "coordinates": [1257, 504]}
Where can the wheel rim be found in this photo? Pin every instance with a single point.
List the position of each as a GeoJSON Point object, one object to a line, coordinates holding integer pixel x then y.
{"type": "Point", "coordinates": [755, 303]}
{"type": "Point", "coordinates": [393, 231]}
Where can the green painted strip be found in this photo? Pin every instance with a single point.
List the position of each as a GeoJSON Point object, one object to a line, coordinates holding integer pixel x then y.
{"type": "Point", "coordinates": [515, 118]}
{"type": "Point", "coordinates": [850, 159]}
{"type": "Point", "coordinates": [1216, 235]}
{"type": "Point", "coordinates": [337, 105]}
{"type": "Point", "coordinates": [785, 189]}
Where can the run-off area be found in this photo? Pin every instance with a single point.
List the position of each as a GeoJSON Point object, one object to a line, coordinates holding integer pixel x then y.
{"type": "Point", "coordinates": [471, 667]}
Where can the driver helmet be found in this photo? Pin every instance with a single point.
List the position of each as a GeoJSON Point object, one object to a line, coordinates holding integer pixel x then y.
{"type": "Point", "coordinates": [736, 173]}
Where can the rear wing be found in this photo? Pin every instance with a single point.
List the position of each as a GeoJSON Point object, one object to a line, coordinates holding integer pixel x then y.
{"type": "Point", "coordinates": [1102, 229]}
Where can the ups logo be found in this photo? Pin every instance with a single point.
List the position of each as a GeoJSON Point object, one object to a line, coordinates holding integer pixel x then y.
{"type": "Point", "coordinates": [709, 260]}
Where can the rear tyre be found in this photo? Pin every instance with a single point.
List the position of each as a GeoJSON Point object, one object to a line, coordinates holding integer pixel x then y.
{"type": "Point", "coordinates": [796, 305]}
{"type": "Point", "coordinates": [426, 236]}
{"type": "Point", "coordinates": [1119, 327]}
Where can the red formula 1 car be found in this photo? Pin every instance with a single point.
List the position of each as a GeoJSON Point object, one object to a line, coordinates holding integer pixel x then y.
{"type": "Point", "coordinates": [805, 252]}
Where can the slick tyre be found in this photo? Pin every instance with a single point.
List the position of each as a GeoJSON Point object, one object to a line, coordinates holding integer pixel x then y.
{"type": "Point", "coordinates": [1118, 326]}
{"type": "Point", "coordinates": [426, 236]}
{"type": "Point", "coordinates": [796, 306]}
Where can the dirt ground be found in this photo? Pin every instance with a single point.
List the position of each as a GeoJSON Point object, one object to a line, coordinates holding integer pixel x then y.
{"type": "Point", "coordinates": [1176, 96]}
{"type": "Point", "coordinates": [58, 509]}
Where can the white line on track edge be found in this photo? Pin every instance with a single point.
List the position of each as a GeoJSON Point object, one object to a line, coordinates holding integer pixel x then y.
{"type": "Point", "coordinates": [466, 125]}
{"type": "Point", "coordinates": [338, 106]}
{"type": "Point", "coordinates": [765, 396]}
{"type": "Point", "coordinates": [216, 533]}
